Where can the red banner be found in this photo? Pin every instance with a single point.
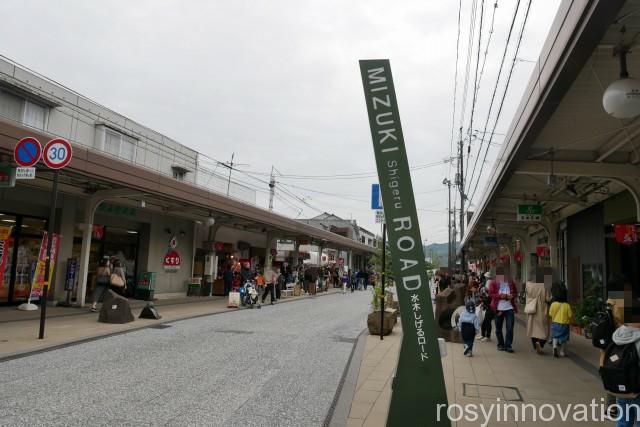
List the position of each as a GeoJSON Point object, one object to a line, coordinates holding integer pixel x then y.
{"type": "Point", "coordinates": [542, 251]}
{"type": "Point", "coordinates": [626, 234]}
{"type": "Point", "coordinates": [39, 279]}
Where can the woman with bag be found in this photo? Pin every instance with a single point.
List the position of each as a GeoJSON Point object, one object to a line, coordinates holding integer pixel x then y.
{"type": "Point", "coordinates": [117, 279]}
{"type": "Point", "coordinates": [102, 281]}
{"type": "Point", "coordinates": [536, 309]}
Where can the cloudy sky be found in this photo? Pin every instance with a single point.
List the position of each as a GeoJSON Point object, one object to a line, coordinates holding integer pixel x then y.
{"type": "Point", "coordinates": [277, 82]}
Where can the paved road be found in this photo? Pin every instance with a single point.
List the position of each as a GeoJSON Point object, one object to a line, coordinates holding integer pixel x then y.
{"type": "Point", "coordinates": [279, 366]}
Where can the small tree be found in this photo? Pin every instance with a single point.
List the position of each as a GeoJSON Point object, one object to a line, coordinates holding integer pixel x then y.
{"type": "Point", "coordinates": [376, 260]}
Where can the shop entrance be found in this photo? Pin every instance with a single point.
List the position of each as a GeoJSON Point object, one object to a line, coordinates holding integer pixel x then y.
{"type": "Point", "coordinates": [115, 243]}
{"type": "Point", "coordinates": [23, 248]}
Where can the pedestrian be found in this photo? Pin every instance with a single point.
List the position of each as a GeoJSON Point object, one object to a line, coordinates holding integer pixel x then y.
{"type": "Point", "coordinates": [489, 315]}
{"type": "Point", "coordinates": [561, 315]}
{"type": "Point", "coordinates": [622, 356]}
{"type": "Point", "coordinates": [270, 278]}
{"type": "Point", "coordinates": [102, 280]}
{"type": "Point", "coordinates": [469, 326]}
{"type": "Point", "coordinates": [117, 279]}
{"type": "Point", "coordinates": [227, 278]}
{"type": "Point", "coordinates": [345, 281]}
{"type": "Point", "coordinates": [365, 279]}
{"type": "Point", "coordinates": [503, 301]}
{"type": "Point", "coordinates": [537, 308]}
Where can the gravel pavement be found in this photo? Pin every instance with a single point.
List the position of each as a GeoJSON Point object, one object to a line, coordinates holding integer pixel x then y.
{"type": "Point", "coordinates": [278, 366]}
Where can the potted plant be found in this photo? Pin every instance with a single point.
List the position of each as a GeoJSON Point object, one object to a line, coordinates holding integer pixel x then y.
{"type": "Point", "coordinates": [587, 309]}
{"type": "Point", "coordinates": [376, 322]}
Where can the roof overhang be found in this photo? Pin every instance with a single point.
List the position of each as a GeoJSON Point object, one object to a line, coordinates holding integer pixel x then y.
{"type": "Point", "coordinates": [560, 128]}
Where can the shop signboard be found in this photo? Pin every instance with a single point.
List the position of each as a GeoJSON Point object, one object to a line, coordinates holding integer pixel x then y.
{"type": "Point", "coordinates": [626, 234]}
{"type": "Point", "coordinates": [172, 261]}
{"type": "Point", "coordinates": [529, 213]}
{"type": "Point", "coordinates": [419, 386]}
{"type": "Point", "coordinates": [72, 272]}
{"type": "Point", "coordinates": [117, 210]}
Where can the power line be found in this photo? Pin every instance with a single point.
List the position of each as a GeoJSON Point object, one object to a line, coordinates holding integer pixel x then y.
{"type": "Point", "coordinates": [455, 87]}
{"type": "Point", "coordinates": [495, 89]}
{"type": "Point", "coordinates": [504, 95]}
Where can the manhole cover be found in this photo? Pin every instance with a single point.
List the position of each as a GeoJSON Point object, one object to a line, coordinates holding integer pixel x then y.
{"type": "Point", "coordinates": [491, 392]}
{"type": "Point", "coordinates": [160, 326]}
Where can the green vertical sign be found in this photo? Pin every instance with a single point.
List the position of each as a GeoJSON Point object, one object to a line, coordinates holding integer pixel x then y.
{"type": "Point", "coordinates": [419, 383]}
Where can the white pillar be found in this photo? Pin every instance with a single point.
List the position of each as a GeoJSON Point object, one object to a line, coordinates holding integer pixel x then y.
{"type": "Point", "coordinates": [87, 228]}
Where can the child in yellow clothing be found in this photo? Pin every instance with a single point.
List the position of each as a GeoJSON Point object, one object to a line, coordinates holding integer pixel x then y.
{"type": "Point", "coordinates": [561, 315]}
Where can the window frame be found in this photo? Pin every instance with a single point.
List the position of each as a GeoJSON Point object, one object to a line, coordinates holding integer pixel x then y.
{"type": "Point", "coordinates": [102, 129]}
{"type": "Point", "coordinates": [23, 108]}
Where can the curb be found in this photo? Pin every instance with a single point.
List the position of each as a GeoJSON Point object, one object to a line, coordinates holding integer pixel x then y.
{"type": "Point", "coordinates": [341, 404]}
{"type": "Point", "coordinates": [19, 355]}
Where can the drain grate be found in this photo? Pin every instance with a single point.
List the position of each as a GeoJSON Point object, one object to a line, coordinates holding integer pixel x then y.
{"type": "Point", "coordinates": [345, 340]}
{"type": "Point", "coordinates": [233, 331]}
{"type": "Point", "coordinates": [481, 391]}
{"type": "Point", "coordinates": [160, 326]}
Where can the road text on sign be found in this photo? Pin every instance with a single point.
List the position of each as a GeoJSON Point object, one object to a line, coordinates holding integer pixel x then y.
{"type": "Point", "coordinates": [419, 381]}
{"type": "Point", "coordinates": [25, 173]}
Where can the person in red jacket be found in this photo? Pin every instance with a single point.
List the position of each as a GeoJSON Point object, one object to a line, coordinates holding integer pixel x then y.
{"type": "Point", "coordinates": [503, 293]}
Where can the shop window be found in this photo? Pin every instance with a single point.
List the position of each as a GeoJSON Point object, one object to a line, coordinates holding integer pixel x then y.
{"type": "Point", "coordinates": [23, 110]}
{"type": "Point", "coordinates": [116, 143]}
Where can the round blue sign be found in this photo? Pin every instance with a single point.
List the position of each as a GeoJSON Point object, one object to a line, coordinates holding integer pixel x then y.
{"type": "Point", "coordinates": [27, 152]}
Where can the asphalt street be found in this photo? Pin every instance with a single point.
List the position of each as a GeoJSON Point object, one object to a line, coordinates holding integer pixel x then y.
{"type": "Point", "coordinates": [278, 366]}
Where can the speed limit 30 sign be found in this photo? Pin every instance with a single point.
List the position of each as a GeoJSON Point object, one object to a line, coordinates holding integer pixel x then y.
{"type": "Point", "coordinates": [57, 153]}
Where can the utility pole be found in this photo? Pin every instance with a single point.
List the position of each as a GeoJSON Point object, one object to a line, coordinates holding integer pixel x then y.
{"type": "Point", "coordinates": [462, 196]}
{"type": "Point", "coordinates": [272, 189]}
{"type": "Point", "coordinates": [229, 165]}
{"type": "Point", "coordinates": [447, 182]}
{"type": "Point", "coordinates": [230, 169]}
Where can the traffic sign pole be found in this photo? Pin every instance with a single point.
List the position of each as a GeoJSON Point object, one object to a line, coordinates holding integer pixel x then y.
{"type": "Point", "coordinates": [47, 266]}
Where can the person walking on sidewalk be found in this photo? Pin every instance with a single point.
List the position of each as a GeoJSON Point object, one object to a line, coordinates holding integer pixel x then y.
{"type": "Point", "coordinates": [536, 309]}
{"type": "Point", "coordinates": [270, 277]}
{"type": "Point", "coordinates": [489, 315]}
{"type": "Point", "coordinates": [561, 315]}
{"type": "Point", "coordinates": [469, 326]}
{"type": "Point", "coordinates": [103, 278]}
{"type": "Point", "coordinates": [503, 301]}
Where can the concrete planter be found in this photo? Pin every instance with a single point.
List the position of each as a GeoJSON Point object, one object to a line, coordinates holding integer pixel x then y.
{"type": "Point", "coordinates": [373, 322]}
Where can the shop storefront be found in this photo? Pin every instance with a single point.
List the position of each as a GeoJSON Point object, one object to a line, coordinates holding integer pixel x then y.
{"type": "Point", "coordinates": [114, 243]}
{"type": "Point", "coordinates": [22, 248]}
